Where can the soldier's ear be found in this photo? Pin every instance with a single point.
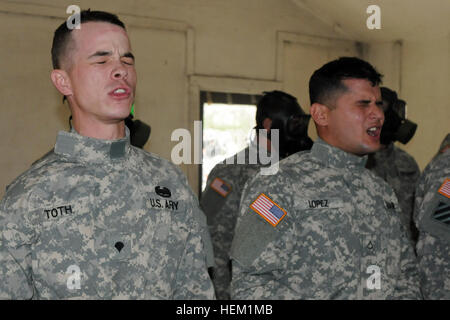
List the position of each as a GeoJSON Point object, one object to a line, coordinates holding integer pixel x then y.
{"type": "Point", "coordinates": [61, 81]}
{"type": "Point", "coordinates": [320, 114]}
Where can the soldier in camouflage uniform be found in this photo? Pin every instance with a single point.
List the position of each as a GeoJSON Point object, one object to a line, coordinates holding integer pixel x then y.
{"type": "Point", "coordinates": [444, 145]}
{"type": "Point", "coordinates": [324, 227]}
{"type": "Point", "coordinates": [220, 200]}
{"type": "Point", "coordinates": [98, 218]}
{"type": "Point", "coordinates": [432, 217]}
{"type": "Point", "coordinates": [394, 165]}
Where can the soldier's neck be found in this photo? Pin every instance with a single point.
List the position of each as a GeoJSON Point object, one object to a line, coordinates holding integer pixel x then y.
{"type": "Point", "coordinates": [112, 131]}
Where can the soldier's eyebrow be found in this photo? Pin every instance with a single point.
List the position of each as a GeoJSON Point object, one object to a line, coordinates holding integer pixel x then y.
{"type": "Point", "coordinates": [128, 55]}
{"type": "Point", "coordinates": [100, 54]}
{"type": "Point", "coordinates": [109, 53]}
{"type": "Point", "coordinates": [364, 101]}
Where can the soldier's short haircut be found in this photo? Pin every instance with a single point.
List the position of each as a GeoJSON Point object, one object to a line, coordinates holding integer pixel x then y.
{"type": "Point", "coordinates": [326, 81]}
{"type": "Point", "coordinates": [275, 102]}
{"type": "Point", "coordinates": [62, 34]}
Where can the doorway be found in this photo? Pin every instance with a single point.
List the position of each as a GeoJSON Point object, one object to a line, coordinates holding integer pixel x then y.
{"type": "Point", "coordinates": [227, 119]}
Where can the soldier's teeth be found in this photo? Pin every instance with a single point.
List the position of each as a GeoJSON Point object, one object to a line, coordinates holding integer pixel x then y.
{"type": "Point", "coordinates": [372, 131]}
{"type": "Point", "coordinates": [119, 91]}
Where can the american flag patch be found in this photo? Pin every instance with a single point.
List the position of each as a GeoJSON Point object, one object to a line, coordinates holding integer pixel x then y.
{"type": "Point", "coordinates": [445, 188]}
{"type": "Point", "coordinates": [268, 209]}
{"type": "Point", "coordinates": [221, 187]}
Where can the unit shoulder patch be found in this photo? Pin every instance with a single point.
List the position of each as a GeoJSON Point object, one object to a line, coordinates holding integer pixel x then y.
{"type": "Point", "coordinates": [268, 209]}
{"type": "Point", "coordinates": [442, 213]}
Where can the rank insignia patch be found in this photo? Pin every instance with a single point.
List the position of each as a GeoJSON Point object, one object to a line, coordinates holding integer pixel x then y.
{"type": "Point", "coordinates": [442, 213]}
{"type": "Point", "coordinates": [269, 210]}
{"type": "Point", "coordinates": [445, 188]}
{"type": "Point", "coordinates": [221, 187]}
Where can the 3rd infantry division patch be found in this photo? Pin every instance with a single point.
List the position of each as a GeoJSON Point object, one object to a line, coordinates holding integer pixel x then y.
{"type": "Point", "coordinates": [442, 213]}
{"type": "Point", "coordinates": [269, 210]}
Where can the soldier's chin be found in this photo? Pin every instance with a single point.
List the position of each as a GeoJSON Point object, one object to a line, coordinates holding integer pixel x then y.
{"type": "Point", "coordinates": [372, 147]}
{"type": "Point", "coordinates": [121, 110]}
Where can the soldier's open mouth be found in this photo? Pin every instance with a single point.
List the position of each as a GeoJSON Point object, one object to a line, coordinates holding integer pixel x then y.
{"type": "Point", "coordinates": [374, 131]}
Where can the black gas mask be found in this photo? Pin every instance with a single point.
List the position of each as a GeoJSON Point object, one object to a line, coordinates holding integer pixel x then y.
{"type": "Point", "coordinates": [396, 127]}
{"type": "Point", "coordinates": [288, 117]}
{"type": "Point", "coordinates": [293, 134]}
{"type": "Point", "coordinates": [139, 131]}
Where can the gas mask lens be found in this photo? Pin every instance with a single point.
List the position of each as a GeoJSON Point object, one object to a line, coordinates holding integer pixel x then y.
{"type": "Point", "coordinates": [400, 108]}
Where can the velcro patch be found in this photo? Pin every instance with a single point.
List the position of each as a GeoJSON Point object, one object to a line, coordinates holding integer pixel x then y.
{"type": "Point", "coordinates": [445, 188]}
{"type": "Point", "coordinates": [442, 213]}
{"type": "Point", "coordinates": [269, 210]}
{"type": "Point", "coordinates": [221, 187]}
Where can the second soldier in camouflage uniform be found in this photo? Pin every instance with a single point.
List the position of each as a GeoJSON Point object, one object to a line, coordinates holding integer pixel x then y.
{"type": "Point", "coordinates": [220, 200]}
{"type": "Point", "coordinates": [98, 218]}
{"type": "Point", "coordinates": [394, 165]}
{"type": "Point", "coordinates": [325, 227]}
{"type": "Point", "coordinates": [432, 217]}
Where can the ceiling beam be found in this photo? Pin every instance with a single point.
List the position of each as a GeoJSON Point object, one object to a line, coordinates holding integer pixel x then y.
{"type": "Point", "coordinates": [325, 19]}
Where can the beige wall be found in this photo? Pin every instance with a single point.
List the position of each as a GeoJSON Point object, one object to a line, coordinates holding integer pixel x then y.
{"type": "Point", "coordinates": [426, 89]}
{"type": "Point", "coordinates": [183, 46]}
{"type": "Point", "coordinates": [31, 110]}
{"type": "Point", "coordinates": [419, 70]}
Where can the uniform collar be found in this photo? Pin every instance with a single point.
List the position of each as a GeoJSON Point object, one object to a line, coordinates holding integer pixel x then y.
{"type": "Point", "coordinates": [335, 157]}
{"type": "Point", "coordinates": [74, 145]}
{"type": "Point", "coordinates": [387, 151]}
